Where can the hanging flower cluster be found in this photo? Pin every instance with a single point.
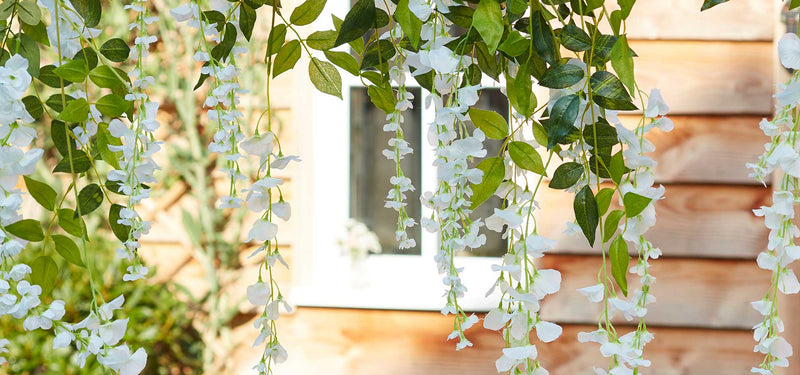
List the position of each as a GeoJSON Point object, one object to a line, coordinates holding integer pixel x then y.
{"type": "Point", "coordinates": [782, 155]}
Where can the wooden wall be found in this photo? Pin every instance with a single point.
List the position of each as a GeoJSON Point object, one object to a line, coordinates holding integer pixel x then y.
{"type": "Point", "coordinates": [716, 71]}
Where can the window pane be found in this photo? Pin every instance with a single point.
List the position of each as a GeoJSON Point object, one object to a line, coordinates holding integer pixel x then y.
{"type": "Point", "coordinates": [370, 170]}
{"type": "Point", "coordinates": [490, 99]}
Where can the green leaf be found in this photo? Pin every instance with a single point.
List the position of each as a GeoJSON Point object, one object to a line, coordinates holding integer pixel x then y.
{"type": "Point", "coordinates": [522, 91]}
{"type": "Point", "coordinates": [71, 223]}
{"type": "Point", "coordinates": [307, 12]}
{"type": "Point", "coordinates": [112, 105]}
{"type": "Point", "coordinates": [618, 254]}
{"type": "Point", "coordinates": [276, 38]}
{"type": "Point", "coordinates": [6, 8]}
{"type": "Point", "coordinates": [635, 203]}
{"type": "Point", "coordinates": [488, 20]}
{"type": "Point", "coordinates": [708, 4]}
{"type": "Point", "coordinates": [622, 61]}
{"type": "Point", "coordinates": [617, 168]}
{"type": "Point", "coordinates": [103, 140]}
{"type": "Point", "coordinates": [58, 132]}
{"type": "Point", "coordinates": [526, 157]}
{"type": "Point", "coordinates": [115, 50]}
{"type": "Point", "coordinates": [382, 97]}
{"type": "Point", "coordinates": [325, 77]}
{"type": "Point", "coordinates": [514, 44]}
{"type": "Point", "coordinates": [322, 40]}
{"type": "Point", "coordinates": [494, 170]}
{"type": "Point", "coordinates": [90, 10]}
{"type": "Point", "coordinates": [68, 250]}
{"type": "Point", "coordinates": [73, 71]}
{"type": "Point", "coordinates": [88, 57]}
{"type": "Point", "coordinates": [586, 214]}
{"type": "Point", "coordinates": [616, 21]}
{"type": "Point", "coordinates": [357, 22]}
{"type": "Point", "coordinates": [27, 229]}
{"type": "Point", "coordinates": [491, 123]}
{"type": "Point", "coordinates": [75, 111]}
{"type": "Point", "coordinates": [601, 50]}
{"type": "Point", "coordinates": [487, 61]}
{"type": "Point", "coordinates": [33, 106]}
{"type": "Point", "coordinates": [575, 39]}
{"type": "Point", "coordinates": [611, 224]}
{"type": "Point", "coordinates": [105, 77]}
{"type": "Point", "coordinates": [792, 5]}
{"type": "Point", "coordinates": [562, 119]}
{"type": "Point", "coordinates": [44, 273]}
{"type": "Point", "coordinates": [378, 55]}
{"type": "Point", "coordinates": [224, 48]}
{"type": "Point", "coordinates": [28, 12]}
{"type": "Point", "coordinates": [626, 6]}
{"type": "Point", "coordinates": [603, 198]}
{"type": "Point", "coordinates": [120, 230]}
{"type": "Point", "coordinates": [57, 103]}
{"type": "Point", "coordinates": [459, 15]}
{"type": "Point", "coordinates": [49, 78]}
{"type": "Point", "coordinates": [343, 60]}
{"type": "Point", "coordinates": [566, 175]}
{"type": "Point", "coordinates": [539, 133]}
{"type": "Point", "coordinates": [609, 92]}
{"type": "Point", "coordinates": [542, 37]}
{"type": "Point", "coordinates": [562, 76]}
{"type": "Point", "coordinates": [25, 46]}
{"type": "Point", "coordinates": [600, 134]}
{"type": "Point", "coordinates": [90, 197]}
{"type": "Point", "coordinates": [409, 23]}
{"type": "Point", "coordinates": [287, 57]}
{"type": "Point", "coordinates": [80, 163]}
{"type": "Point", "coordinates": [42, 193]}
{"type": "Point", "coordinates": [247, 20]}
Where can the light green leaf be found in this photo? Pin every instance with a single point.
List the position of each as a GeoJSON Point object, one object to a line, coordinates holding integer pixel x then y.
{"type": "Point", "coordinates": [635, 203]}
{"type": "Point", "coordinates": [618, 254]}
{"type": "Point", "coordinates": [42, 193]}
{"type": "Point", "coordinates": [27, 229]}
{"type": "Point", "coordinates": [325, 77]}
{"type": "Point", "coordinates": [307, 12]}
{"type": "Point", "coordinates": [626, 6]}
{"type": "Point", "coordinates": [105, 77]}
{"type": "Point", "coordinates": [112, 105]}
{"type": "Point", "coordinates": [276, 38]}
{"type": "Point", "coordinates": [104, 139]}
{"type": "Point", "coordinates": [382, 97]}
{"type": "Point", "coordinates": [526, 157]}
{"type": "Point", "coordinates": [28, 12]}
{"type": "Point", "coordinates": [71, 223]}
{"type": "Point", "coordinates": [566, 175]}
{"type": "Point", "coordinates": [287, 57]}
{"type": "Point", "coordinates": [611, 224]}
{"type": "Point", "coordinates": [343, 60]}
{"type": "Point", "coordinates": [73, 71]}
{"type": "Point", "coordinates": [322, 40]}
{"type": "Point", "coordinates": [411, 25]}
{"type": "Point", "coordinates": [68, 250]}
{"type": "Point", "coordinates": [44, 272]}
{"type": "Point", "coordinates": [76, 111]}
{"type": "Point", "coordinates": [494, 170]}
{"type": "Point", "coordinates": [603, 198]}
{"type": "Point", "coordinates": [491, 123]}
{"type": "Point", "coordinates": [622, 61]}
{"type": "Point", "coordinates": [488, 20]}
{"type": "Point", "coordinates": [586, 214]}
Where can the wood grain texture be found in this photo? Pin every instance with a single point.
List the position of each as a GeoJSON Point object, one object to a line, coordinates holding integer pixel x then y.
{"type": "Point", "coordinates": [690, 292]}
{"type": "Point", "coordinates": [708, 77]}
{"type": "Point", "coordinates": [680, 19]}
{"type": "Point", "coordinates": [360, 342]}
{"type": "Point", "coordinates": [706, 149]}
{"type": "Point", "coordinates": [713, 221]}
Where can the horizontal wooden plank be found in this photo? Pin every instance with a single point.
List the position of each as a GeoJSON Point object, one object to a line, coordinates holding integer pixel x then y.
{"type": "Point", "coordinates": [681, 19]}
{"type": "Point", "coordinates": [714, 221]}
{"type": "Point", "coordinates": [689, 292]}
{"type": "Point", "coordinates": [708, 77]}
{"type": "Point", "coordinates": [356, 342]}
{"type": "Point", "coordinates": [706, 149]}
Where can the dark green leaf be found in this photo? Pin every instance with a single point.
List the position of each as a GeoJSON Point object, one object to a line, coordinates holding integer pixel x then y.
{"type": "Point", "coordinates": [487, 61]}
{"type": "Point", "coordinates": [68, 250]}
{"type": "Point", "coordinates": [575, 39]}
{"type": "Point", "coordinates": [708, 4]}
{"type": "Point", "coordinates": [611, 224]}
{"type": "Point", "coordinates": [56, 102]}
{"type": "Point", "coordinates": [44, 273]}
{"type": "Point", "coordinates": [562, 119]}
{"type": "Point", "coordinates": [120, 230]}
{"type": "Point", "coordinates": [586, 214]}
{"type": "Point", "coordinates": [58, 132]}
{"type": "Point", "coordinates": [27, 229]}
{"type": "Point", "coordinates": [562, 76]}
{"type": "Point", "coordinates": [357, 22]}
{"type": "Point", "coordinates": [542, 37]}
{"type": "Point", "coordinates": [80, 163]}
{"type": "Point", "coordinates": [88, 57]}
{"type": "Point", "coordinates": [115, 50]}
{"type": "Point", "coordinates": [307, 12]}
{"type": "Point", "coordinates": [49, 78]}
{"type": "Point", "coordinates": [75, 111]}
{"type": "Point", "coordinates": [618, 254]}
{"type": "Point", "coordinates": [33, 106]}
{"type": "Point", "coordinates": [378, 55]}
{"type": "Point", "coordinates": [793, 4]}
{"type": "Point", "coordinates": [566, 175]}
{"type": "Point", "coordinates": [112, 105]}
{"type": "Point", "coordinates": [635, 203]}
{"type": "Point", "coordinates": [325, 77]}
{"type": "Point", "coordinates": [491, 123]}
{"type": "Point", "coordinates": [609, 92]}
{"type": "Point", "coordinates": [287, 57]}
{"type": "Point", "coordinates": [526, 157]}
{"type": "Point", "coordinates": [494, 170]}
{"type": "Point", "coordinates": [90, 197]}
{"type": "Point", "coordinates": [42, 193]}
{"type": "Point", "coordinates": [25, 46]}
{"type": "Point", "coordinates": [90, 10]}
{"type": "Point", "coordinates": [247, 20]}
{"type": "Point", "coordinates": [600, 134]}
{"type": "Point", "coordinates": [222, 50]}
{"type": "Point", "coordinates": [488, 20]}
{"type": "Point", "coordinates": [601, 52]}
{"type": "Point", "coordinates": [460, 15]}
{"type": "Point", "coordinates": [71, 223]}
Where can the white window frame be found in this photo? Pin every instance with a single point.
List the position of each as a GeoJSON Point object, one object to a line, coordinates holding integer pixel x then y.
{"type": "Point", "coordinates": [402, 282]}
